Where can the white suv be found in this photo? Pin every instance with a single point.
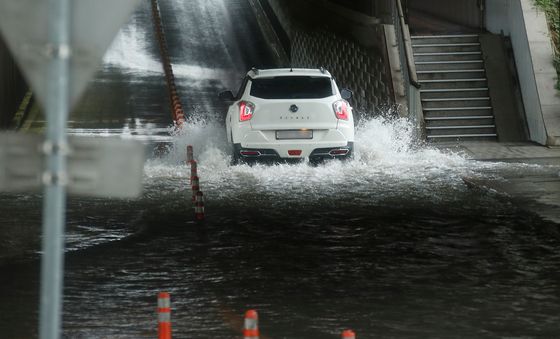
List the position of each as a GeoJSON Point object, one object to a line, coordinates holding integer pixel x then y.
{"type": "Point", "coordinates": [289, 114]}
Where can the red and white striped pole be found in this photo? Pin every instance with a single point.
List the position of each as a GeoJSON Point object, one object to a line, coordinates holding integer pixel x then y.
{"type": "Point", "coordinates": [190, 154]}
{"type": "Point", "coordinates": [199, 206]}
{"type": "Point", "coordinates": [194, 169]}
{"type": "Point", "coordinates": [164, 316]}
{"type": "Point", "coordinates": [195, 187]}
{"type": "Point", "coordinates": [348, 334]}
{"type": "Point", "coordinates": [251, 326]}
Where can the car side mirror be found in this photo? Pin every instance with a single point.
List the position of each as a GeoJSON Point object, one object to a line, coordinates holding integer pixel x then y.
{"type": "Point", "coordinates": [226, 96]}
{"type": "Point", "coordinates": [345, 93]}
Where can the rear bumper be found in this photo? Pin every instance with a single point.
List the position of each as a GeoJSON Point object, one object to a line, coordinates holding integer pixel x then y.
{"type": "Point", "coordinates": [284, 148]}
{"type": "Point", "coordinates": [273, 155]}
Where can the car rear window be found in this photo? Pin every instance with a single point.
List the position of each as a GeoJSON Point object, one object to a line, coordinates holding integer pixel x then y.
{"type": "Point", "coordinates": [292, 87]}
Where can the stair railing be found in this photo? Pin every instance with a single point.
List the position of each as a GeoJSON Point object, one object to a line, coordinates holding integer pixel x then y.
{"type": "Point", "coordinates": [408, 67]}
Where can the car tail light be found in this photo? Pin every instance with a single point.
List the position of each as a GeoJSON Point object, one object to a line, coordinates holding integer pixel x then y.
{"type": "Point", "coordinates": [246, 110]}
{"type": "Point", "coordinates": [294, 152]}
{"type": "Point", "coordinates": [341, 109]}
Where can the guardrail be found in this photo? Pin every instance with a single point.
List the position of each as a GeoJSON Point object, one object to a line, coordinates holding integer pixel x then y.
{"type": "Point", "coordinates": [197, 195]}
{"type": "Point", "coordinates": [176, 107]}
{"type": "Point", "coordinates": [408, 67]}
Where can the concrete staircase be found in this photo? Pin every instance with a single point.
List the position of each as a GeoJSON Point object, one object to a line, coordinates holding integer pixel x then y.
{"type": "Point", "coordinates": [454, 93]}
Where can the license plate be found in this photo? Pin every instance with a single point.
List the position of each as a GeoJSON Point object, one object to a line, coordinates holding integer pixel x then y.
{"type": "Point", "coordinates": [294, 134]}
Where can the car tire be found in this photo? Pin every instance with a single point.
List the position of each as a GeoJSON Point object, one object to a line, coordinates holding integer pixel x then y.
{"type": "Point", "coordinates": [235, 158]}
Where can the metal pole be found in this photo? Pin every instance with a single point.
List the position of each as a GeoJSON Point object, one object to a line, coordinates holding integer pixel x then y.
{"type": "Point", "coordinates": [55, 175]}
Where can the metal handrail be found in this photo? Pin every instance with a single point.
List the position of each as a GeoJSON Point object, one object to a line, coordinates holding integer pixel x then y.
{"type": "Point", "coordinates": [413, 78]}
{"type": "Point", "coordinates": [408, 68]}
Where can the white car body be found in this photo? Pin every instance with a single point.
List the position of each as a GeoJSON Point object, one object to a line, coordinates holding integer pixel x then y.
{"type": "Point", "coordinates": [263, 124]}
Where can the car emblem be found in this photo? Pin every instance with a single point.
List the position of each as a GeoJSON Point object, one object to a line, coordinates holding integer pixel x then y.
{"type": "Point", "coordinates": [294, 108]}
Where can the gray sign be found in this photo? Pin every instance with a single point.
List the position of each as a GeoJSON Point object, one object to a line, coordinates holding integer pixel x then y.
{"type": "Point", "coordinates": [99, 167]}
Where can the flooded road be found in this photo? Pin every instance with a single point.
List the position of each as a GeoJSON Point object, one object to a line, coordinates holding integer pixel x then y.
{"type": "Point", "coordinates": [391, 244]}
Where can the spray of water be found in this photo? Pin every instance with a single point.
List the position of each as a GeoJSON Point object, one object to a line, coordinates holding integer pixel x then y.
{"type": "Point", "coordinates": [387, 162]}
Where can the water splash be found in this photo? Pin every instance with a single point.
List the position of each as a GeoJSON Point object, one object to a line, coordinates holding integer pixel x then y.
{"type": "Point", "coordinates": [388, 162]}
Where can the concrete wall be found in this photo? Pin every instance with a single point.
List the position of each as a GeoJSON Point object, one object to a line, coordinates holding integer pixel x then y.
{"type": "Point", "coordinates": [12, 86]}
{"type": "Point", "coordinates": [527, 28]}
{"type": "Point", "coordinates": [462, 12]}
{"type": "Point", "coordinates": [348, 43]}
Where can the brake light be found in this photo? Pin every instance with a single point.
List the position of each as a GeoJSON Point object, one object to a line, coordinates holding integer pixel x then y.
{"type": "Point", "coordinates": [341, 109]}
{"type": "Point", "coordinates": [246, 110]}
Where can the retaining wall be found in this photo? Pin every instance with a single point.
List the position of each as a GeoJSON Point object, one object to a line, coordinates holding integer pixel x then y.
{"type": "Point", "coordinates": [348, 43]}
{"type": "Point", "coordinates": [12, 86]}
{"type": "Point", "coordinates": [532, 46]}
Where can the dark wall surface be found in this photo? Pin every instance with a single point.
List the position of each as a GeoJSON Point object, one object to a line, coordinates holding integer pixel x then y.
{"type": "Point", "coordinates": [461, 12]}
{"type": "Point", "coordinates": [362, 6]}
{"type": "Point", "coordinates": [348, 43]}
{"type": "Point", "coordinates": [12, 86]}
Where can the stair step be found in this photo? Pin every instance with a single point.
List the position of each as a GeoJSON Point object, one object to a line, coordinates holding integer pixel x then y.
{"type": "Point", "coordinates": [435, 90]}
{"type": "Point", "coordinates": [459, 127]}
{"type": "Point", "coordinates": [443, 93]}
{"type": "Point", "coordinates": [448, 45]}
{"type": "Point", "coordinates": [455, 99]}
{"type": "Point", "coordinates": [446, 48]}
{"type": "Point", "coordinates": [447, 53]}
{"type": "Point", "coordinates": [459, 122]}
{"type": "Point", "coordinates": [451, 71]}
{"type": "Point", "coordinates": [414, 37]}
{"type": "Point", "coordinates": [445, 39]}
{"type": "Point", "coordinates": [457, 108]}
{"type": "Point", "coordinates": [456, 102]}
{"type": "Point", "coordinates": [451, 74]}
{"type": "Point", "coordinates": [453, 80]}
{"type": "Point", "coordinates": [453, 83]}
{"type": "Point", "coordinates": [472, 117]}
{"type": "Point", "coordinates": [448, 57]}
{"type": "Point", "coordinates": [449, 62]}
{"type": "Point", "coordinates": [456, 65]}
{"type": "Point", "coordinates": [458, 136]}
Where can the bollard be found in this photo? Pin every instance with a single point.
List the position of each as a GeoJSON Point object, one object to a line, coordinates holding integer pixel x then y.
{"type": "Point", "coordinates": [164, 316]}
{"type": "Point", "coordinates": [190, 154]}
{"type": "Point", "coordinates": [348, 334]}
{"type": "Point", "coordinates": [180, 116]}
{"type": "Point", "coordinates": [199, 206]}
{"type": "Point", "coordinates": [251, 326]}
{"type": "Point", "coordinates": [195, 185]}
{"type": "Point", "coordinates": [194, 172]}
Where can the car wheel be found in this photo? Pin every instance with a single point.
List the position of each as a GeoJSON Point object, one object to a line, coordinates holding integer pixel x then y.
{"type": "Point", "coordinates": [235, 158]}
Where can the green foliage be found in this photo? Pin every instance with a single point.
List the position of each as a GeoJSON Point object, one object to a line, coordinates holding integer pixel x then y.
{"type": "Point", "coordinates": [552, 9]}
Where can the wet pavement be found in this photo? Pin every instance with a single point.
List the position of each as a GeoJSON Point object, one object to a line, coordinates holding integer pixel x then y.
{"type": "Point", "coordinates": [392, 244]}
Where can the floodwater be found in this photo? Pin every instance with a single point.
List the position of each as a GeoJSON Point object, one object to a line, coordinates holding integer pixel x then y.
{"type": "Point", "coordinates": [391, 244]}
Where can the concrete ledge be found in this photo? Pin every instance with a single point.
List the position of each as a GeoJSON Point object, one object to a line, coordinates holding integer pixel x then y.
{"type": "Point", "coordinates": [536, 191]}
{"type": "Point", "coordinates": [525, 152]}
